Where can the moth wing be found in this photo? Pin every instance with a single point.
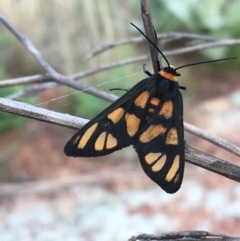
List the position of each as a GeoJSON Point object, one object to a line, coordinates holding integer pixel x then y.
{"type": "Point", "coordinates": [114, 128]}
{"type": "Point", "coordinates": [160, 144]}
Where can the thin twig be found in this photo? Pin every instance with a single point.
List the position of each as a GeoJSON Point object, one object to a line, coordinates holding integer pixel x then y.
{"type": "Point", "coordinates": [36, 89]}
{"type": "Point", "coordinates": [220, 43]}
{"type": "Point", "coordinates": [212, 163]}
{"type": "Point", "coordinates": [60, 79]}
{"type": "Point", "coordinates": [41, 114]}
{"type": "Point", "coordinates": [100, 68]}
{"type": "Point", "coordinates": [28, 44]}
{"type": "Point", "coordinates": [76, 76]}
{"type": "Point", "coordinates": [104, 67]}
{"type": "Point", "coordinates": [24, 80]}
{"type": "Point", "coordinates": [150, 32]}
{"type": "Point", "coordinates": [34, 51]}
{"type": "Point", "coordinates": [165, 36]}
{"type": "Point", "coordinates": [167, 53]}
{"type": "Point", "coordinates": [31, 91]}
{"type": "Point", "coordinates": [212, 138]}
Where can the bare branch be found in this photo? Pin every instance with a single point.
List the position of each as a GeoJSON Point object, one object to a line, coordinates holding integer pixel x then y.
{"type": "Point", "coordinates": [150, 32]}
{"type": "Point", "coordinates": [31, 91]}
{"type": "Point", "coordinates": [212, 138]}
{"type": "Point", "coordinates": [28, 44]}
{"type": "Point", "coordinates": [36, 89]}
{"type": "Point", "coordinates": [70, 83]}
{"type": "Point", "coordinates": [184, 235]}
{"type": "Point", "coordinates": [24, 80]}
{"type": "Point", "coordinates": [167, 53]}
{"type": "Point", "coordinates": [93, 91]}
{"type": "Point", "coordinates": [60, 79]}
{"type": "Point", "coordinates": [46, 78]}
{"type": "Point", "coordinates": [212, 163]}
{"type": "Point", "coordinates": [104, 67]}
{"type": "Point", "coordinates": [211, 44]}
{"type": "Point", "coordinates": [97, 69]}
{"type": "Point", "coordinates": [41, 114]}
{"type": "Point", "coordinates": [193, 156]}
{"type": "Point", "coordinates": [220, 43]}
{"type": "Point", "coordinates": [166, 37]}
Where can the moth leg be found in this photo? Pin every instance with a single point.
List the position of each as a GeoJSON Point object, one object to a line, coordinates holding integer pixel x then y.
{"type": "Point", "coordinates": [146, 71]}
{"type": "Point", "coordinates": [182, 87]}
{"type": "Point", "coordinates": [126, 90]}
{"type": "Point", "coordinates": [158, 65]}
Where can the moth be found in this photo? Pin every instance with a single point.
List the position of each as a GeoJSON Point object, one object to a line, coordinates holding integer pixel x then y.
{"type": "Point", "coordinates": [149, 116]}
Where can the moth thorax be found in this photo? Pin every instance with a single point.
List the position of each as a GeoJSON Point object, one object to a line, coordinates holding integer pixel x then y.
{"type": "Point", "coordinates": [168, 75]}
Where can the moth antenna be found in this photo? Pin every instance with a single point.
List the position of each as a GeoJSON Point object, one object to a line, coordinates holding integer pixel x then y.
{"type": "Point", "coordinates": [204, 62]}
{"type": "Point", "coordinates": [150, 41]}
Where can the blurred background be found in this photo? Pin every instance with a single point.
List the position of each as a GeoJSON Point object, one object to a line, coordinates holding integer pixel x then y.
{"type": "Point", "coordinates": [45, 195]}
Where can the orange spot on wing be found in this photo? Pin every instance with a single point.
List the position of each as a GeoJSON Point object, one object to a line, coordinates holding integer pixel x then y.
{"type": "Point", "coordinates": [159, 164]}
{"type": "Point", "coordinates": [141, 100]}
{"type": "Point", "coordinates": [116, 115]}
{"type": "Point", "coordinates": [152, 132]}
{"type": "Point", "coordinates": [86, 136]}
{"type": "Point", "coordinates": [172, 137]}
{"type": "Point", "coordinates": [173, 170]}
{"type": "Point", "coordinates": [133, 123]}
{"type": "Point", "coordinates": [167, 109]}
{"type": "Point", "coordinates": [99, 144]}
{"type": "Point", "coordinates": [111, 141]}
{"type": "Point", "coordinates": [152, 157]}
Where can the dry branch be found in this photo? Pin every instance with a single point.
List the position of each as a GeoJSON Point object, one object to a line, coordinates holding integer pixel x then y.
{"type": "Point", "coordinates": [29, 111]}
{"type": "Point", "coordinates": [32, 91]}
{"type": "Point", "coordinates": [212, 139]}
{"type": "Point", "coordinates": [166, 37]}
{"type": "Point", "coordinates": [184, 235]}
{"type": "Point", "coordinates": [150, 32]}
{"type": "Point", "coordinates": [193, 156]}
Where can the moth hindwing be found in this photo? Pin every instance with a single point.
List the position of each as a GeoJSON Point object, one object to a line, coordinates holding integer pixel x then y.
{"type": "Point", "coordinates": [149, 116]}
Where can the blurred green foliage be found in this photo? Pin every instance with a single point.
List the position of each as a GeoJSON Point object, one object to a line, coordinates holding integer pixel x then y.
{"type": "Point", "coordinates": [216, 18]}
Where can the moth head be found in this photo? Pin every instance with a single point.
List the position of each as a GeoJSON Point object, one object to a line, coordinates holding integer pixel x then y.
{"type": "Point", "coordinates": [169, 73]}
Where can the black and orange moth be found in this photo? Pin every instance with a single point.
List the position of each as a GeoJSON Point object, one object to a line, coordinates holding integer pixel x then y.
{"type": "Point", "coordinates": [148, 116]}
